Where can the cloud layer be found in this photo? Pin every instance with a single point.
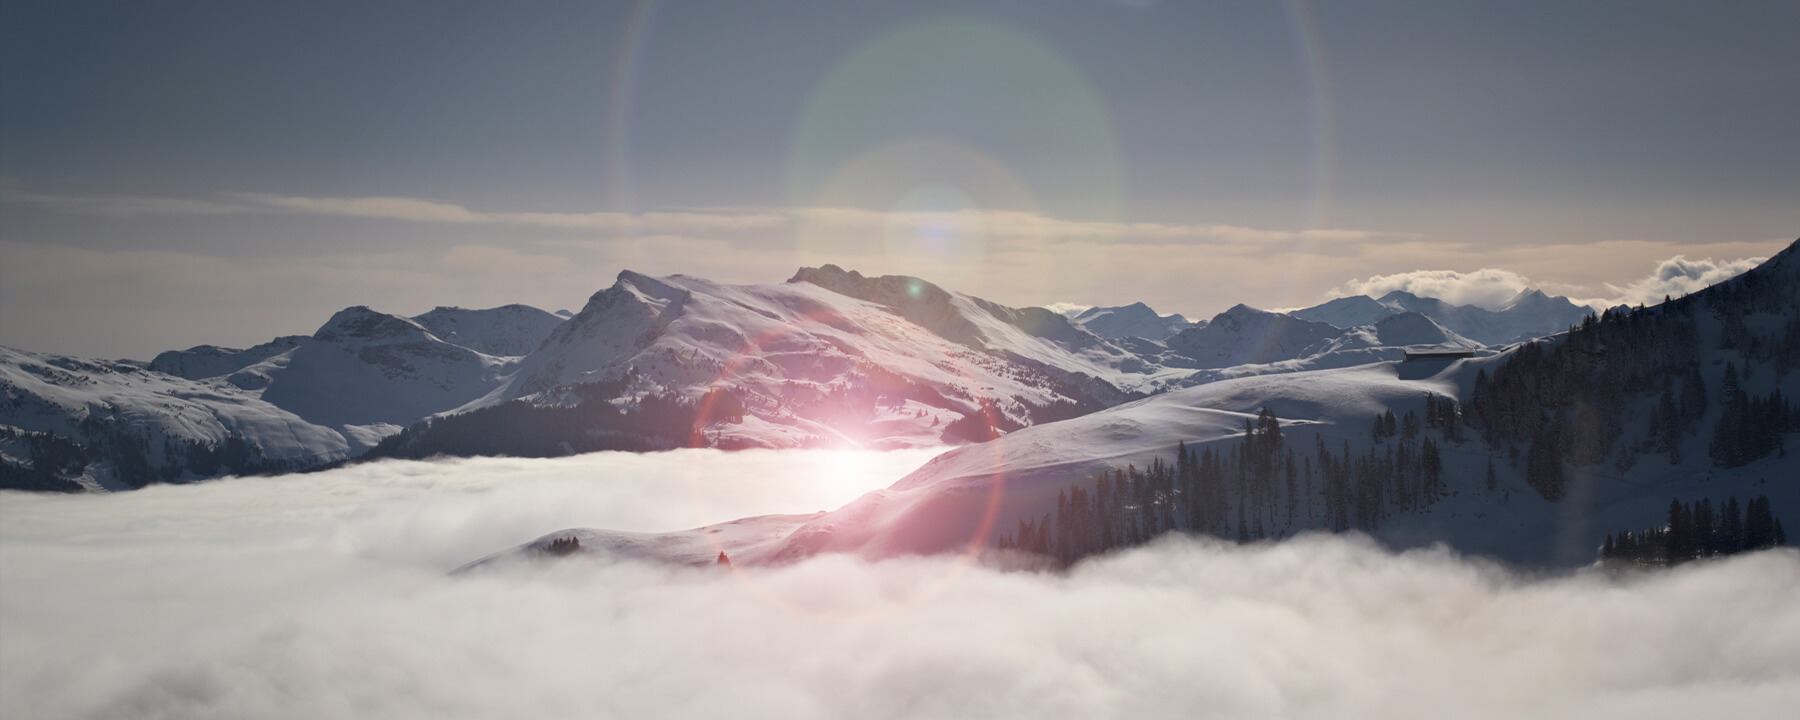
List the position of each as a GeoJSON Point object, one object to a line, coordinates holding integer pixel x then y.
{"type": "Point", "coordinates": [1487, 287]}
{"type": "Point", "coordinates": [1491, 288]}
{"type": "Point", "coordinates": [1678, 276]}
{"type": "Point", "coordinates": [323, 596]}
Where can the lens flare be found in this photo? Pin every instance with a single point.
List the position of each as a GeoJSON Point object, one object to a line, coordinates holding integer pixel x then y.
{"type": "Point", "coordinates": [952, 129]}
{"type": "Point", "coordinates": [742, 372]}
{"type": "Point", "coordinates": [1321, 115]}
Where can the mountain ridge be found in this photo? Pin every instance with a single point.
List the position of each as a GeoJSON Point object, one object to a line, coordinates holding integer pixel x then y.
{"type": "Point", "coordinates": [829, 357]}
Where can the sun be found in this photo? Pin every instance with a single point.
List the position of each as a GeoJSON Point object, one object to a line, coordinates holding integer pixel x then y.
{"type": "Point", "coordinates": [842, 467]}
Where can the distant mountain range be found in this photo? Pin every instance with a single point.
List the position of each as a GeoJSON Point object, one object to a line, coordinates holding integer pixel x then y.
{"type": "Point", "coordinates": [830, 357]}
{"type": "Point", "coordinates": [1530, 314]}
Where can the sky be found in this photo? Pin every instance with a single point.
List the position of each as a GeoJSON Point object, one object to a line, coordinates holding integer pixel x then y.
{"type": "Point", "coordinates": [227, 172]}
{"type": "Point", "coordinates": [327, 595]}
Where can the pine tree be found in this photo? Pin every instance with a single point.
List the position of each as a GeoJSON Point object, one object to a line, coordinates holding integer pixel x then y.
{"type": "Point", "coordinates": [1543, 465]}
{"type": "Point", "coordinates": [1731, 528]}
{"type": "Point", "coordinates": [1705, 545]}
{"type": "Point", "coordinates": [1677, 541]}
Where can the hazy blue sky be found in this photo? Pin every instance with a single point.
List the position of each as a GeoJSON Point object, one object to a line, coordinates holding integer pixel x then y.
{"type": "Point", "coordinates": [179, 173]}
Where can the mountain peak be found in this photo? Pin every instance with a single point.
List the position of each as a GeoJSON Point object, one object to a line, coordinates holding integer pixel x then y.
{"type": "Point", "coordinates": [827, 276]}
{"type": "Point", "coordinates": [654, 287]}
{"type": "Point", "coordinates": [1526, 297]}
{"type": "Point", "coordinates": [1135, 320]}
{"type": "Point", "coordinates": [1241, 310]}
{"type": "Point", "coordinates": [359, 322]}
{"type": "Point", "coordinates": [893, 291]}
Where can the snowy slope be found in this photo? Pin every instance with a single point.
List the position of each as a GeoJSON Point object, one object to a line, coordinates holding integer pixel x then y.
{"type": "Point", "coordinates": [364, 367]}
{"type": "Point", "coordinates": [206, 361]}
{"type": "Point", "coordinates": [845, 359]}
{"type": "Point", "coordinates": [962, 499]}
{"type": "Point", "coordinates": [507, 330]}
{"type": "Point", "coordinates": [1134, 320]}
{"type": "Point", "coordinates": [1347, 312]}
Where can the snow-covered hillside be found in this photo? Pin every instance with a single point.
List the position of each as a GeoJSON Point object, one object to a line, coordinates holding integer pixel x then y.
{"type": "Point", "coordinates": [504, 331]}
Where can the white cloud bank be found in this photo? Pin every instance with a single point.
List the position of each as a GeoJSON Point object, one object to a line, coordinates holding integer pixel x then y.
{"type": "Point", "coordinates": [1490, 288]}
{"type": "Point", "coordinates": [1678, 276]}
{"type": "Point", "coordinates": [323, 596]}
{"type": "Point", "coordinates": [1486, 287]}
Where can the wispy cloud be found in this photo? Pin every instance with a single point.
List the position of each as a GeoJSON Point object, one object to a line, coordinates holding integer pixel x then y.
{"type": "Point", "coordinates": [992, 225]}
{"type": "Point", "coordinates": [1487, 287]}
{"type": "Point", "coordinates": [13, 193]}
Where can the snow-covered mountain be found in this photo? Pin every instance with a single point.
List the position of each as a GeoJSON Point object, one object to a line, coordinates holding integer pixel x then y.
{"type": "Point", "coordinates": [1534, 455]}
{"type": "Point", "coordinates": [1129, 321]}
{"type": "Point", "coordinates": [503, 331]}
{"type": "Point", "coordinates": [1347, 312]}
{"type": "Point", "coordinates": [828, 357]}
{"type": "Point", "coordinates": [70, 423]}
{"type": "Point", "coordinates": [1529, 314]}
{"type": "Point", "coordinates": [1244, 335]}
{"type": "Point", "coordinates": [1401, 330]}
{"type": "Point", "coordinates": [364, 368]}
{"type": "Point", "coordinates": [294, 403]}
{"type": "Point", "coordinates": [206, 361]}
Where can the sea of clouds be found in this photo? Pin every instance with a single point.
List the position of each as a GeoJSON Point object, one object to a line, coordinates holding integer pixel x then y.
{"type": "Point", "coordinates": [327, 596]}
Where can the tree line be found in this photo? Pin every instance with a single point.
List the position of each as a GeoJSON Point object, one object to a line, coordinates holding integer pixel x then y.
{"type": "Point", "coordinates": [1698, 531]}
{"type": "Point", "coordinates": [1258, 487]}
{"type": "Point", "coordinates": [1568, 401]}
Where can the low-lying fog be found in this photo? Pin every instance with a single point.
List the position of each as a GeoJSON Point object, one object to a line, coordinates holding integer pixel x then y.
{"type": "Point", "coordinates": [325, 596]}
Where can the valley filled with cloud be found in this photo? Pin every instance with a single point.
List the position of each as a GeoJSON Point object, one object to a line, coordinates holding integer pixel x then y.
{"type": "Point", "coordinates": [329, 595]}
